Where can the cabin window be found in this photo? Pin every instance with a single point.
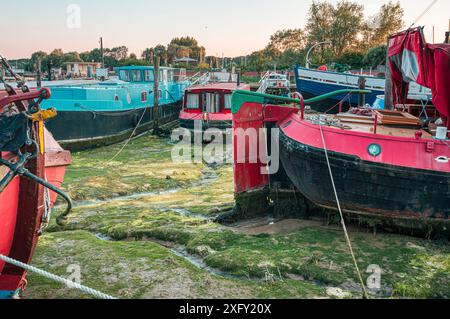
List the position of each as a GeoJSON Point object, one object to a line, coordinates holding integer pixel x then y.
{"type": "Point", "coordinates": [136, 75]}
{"type": "Point", "coordinates": [192, 101]}
{"type": "Point", "coordinates": [212, 102]}
{"type": "Point", "coordinates": [144, 97]}
{"type": "Point", "coordinates": [149, 76]}
{"type": "Point", "coordinates": [124, 75]}
{"type": "Point", "coordinates": [227, 98]}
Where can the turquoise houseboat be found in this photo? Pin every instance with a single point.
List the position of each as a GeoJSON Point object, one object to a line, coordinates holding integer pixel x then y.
{"type": "Point", "coordinates": [103, 113]}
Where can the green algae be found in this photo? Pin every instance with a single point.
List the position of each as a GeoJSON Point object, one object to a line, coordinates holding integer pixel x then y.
{"type": "Point", "coordinates": [178, 209]}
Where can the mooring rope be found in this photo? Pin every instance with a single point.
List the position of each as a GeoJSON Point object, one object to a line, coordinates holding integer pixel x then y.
{"type": "Point", "coordinates": [347, 237]}
{"type": "Point", "coordinates": [129, 139]}
{"type": "Point", "coordinates": [68, 283]}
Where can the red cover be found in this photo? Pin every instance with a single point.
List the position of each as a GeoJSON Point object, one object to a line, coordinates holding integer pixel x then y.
{"type": "Point", "coordinates": [412, 59]}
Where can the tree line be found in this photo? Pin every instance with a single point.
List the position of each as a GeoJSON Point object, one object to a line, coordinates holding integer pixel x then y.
{"type": "Point", "coordinates": [353, 40]}
{"type": "Point", "coordinates": [118, 56]}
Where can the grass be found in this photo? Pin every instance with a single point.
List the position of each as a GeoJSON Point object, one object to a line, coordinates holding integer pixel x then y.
{"type": "Point", "coordinates": [300, 263]}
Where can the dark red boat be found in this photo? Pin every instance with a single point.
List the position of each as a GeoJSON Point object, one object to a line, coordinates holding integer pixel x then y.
{"type": "Point", "coordinates": [32, 168]}
{"type": "Point", "coordinates": [209, 106]}
{"type": "Point", "coordinates": [391, 175]}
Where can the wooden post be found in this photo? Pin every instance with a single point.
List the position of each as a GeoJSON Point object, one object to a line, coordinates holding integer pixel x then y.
{"type": "Point", "coordinates": [362, 86]}
{"type": "Point", "coordinates": [388, 98]}
{"type": "Point", "coordinates": [156, 94]}
{"type": "Point", "coordinates": [102, 53]}
{"type": "Point", "coordinates": [38, 73]}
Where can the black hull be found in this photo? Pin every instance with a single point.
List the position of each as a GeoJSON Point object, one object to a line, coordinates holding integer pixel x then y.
{"type": "Point", "coordinates": [366, 188]}
{"type": "Point", "coordinates": [85, 129]}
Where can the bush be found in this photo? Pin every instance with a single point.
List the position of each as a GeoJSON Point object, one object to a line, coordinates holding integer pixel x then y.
{"type": "Point", "coordinates": [376, 56]}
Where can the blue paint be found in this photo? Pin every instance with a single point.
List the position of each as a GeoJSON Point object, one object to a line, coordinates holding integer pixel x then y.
{"type": "Point", "coordinates": [379, 103]}
{"type": "Point", "coordinates": [319, 88]}
{"type": "Point", "coordinates": [7, 294]}
{"type": "Point", "coordinates": [133, 90]}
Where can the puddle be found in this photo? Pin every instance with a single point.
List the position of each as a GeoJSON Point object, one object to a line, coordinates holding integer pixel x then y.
{"type": "Point", "coordinates": [200, 264]}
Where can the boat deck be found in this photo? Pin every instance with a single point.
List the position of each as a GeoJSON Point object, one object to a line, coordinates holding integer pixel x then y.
{"type": "Point", "coordinates": [368, 126]}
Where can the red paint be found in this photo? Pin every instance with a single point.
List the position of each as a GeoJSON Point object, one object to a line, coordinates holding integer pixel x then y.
{"type": "Point", "coordinates": [22, 202]}
{"type": "Point", "coordinates": [199, 114]}
{"type": "Point", "coordinates": [247, 171]}
{"type": "Point", "coordinates": [398, 151]}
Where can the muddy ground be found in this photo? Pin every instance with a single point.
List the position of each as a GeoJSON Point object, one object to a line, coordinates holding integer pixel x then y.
{"type": "Point", "coordinates": [143, 227]}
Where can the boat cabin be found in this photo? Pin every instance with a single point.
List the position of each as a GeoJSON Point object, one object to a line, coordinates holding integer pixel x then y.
{"type": "Point", "coordinates": [146, 74]}
{"type": "Point", "coordinates": [211, 98]}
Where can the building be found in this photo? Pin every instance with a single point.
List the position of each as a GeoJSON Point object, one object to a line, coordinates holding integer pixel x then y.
{"type": "Point", "coordinates": [82, 69]}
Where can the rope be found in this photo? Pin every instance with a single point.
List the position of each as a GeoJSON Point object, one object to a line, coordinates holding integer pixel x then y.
{"type": "Point", "coordinates": [431, 5]}
{"type": "Point", "coordinates": [347, 237]}
{"type": "Point", "coordinates": [55, 278]}
{"type": "Point", "coordinates": [129, 139]}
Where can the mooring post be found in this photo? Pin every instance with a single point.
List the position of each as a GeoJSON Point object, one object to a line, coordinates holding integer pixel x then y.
{"type": "Point", "coordinates": [38, 73]}
{"type": "Point", "coordinates": [362, 86]}
{"type": "Point", "coordinates": [156, 94]}
{"type": "Point", "coordinates": [388, 97]}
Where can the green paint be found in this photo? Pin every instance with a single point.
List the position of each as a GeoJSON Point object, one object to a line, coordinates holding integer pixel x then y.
{"type": "Point", "coordinates": [240, 97]}
{"type": "Point", "coordinates": [282, 264]}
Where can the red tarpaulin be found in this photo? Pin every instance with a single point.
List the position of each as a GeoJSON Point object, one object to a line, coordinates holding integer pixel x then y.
{"type": "Point", "coordinates": [413, 60]}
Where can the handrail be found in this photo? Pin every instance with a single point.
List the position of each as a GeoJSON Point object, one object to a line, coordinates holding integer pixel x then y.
{"type": "Point", "coordinates": [239, 97]}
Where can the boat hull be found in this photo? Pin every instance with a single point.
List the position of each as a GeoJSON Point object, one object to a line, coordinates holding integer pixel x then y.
{"type": "Point", "coordinates": [364, 186]}
{"type": "Point", "coordinates": [77, 130]}
{"type": "Point", "coordinates": [311, 89]}
{"type": "Point", "coordinates": [21, 210]}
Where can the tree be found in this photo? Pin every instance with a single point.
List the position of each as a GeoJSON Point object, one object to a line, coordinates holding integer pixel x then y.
{"type": "Point", "coordinates": [290, 39]}
{"type": "Point", "coordinates": [71, 57]}
{"type": "Point", "coordinates": [40, 55]}
{"type": "Point", "coordinates": [56, 58]}
{"type": "Point", "coordinates": [352, 59]}
{"type": "Point", "coordinates": [185, 47]}
{"type": "Point", "coordinates": [376, 56]}
{"type": "Point", "coordinates": [347, 20]}
{"type": "Point", "coordinates": [387, 21]}
{"type": "Point", "coordinates": [319, 22]}
{"type": "Point", "coordinates": [339, 25]}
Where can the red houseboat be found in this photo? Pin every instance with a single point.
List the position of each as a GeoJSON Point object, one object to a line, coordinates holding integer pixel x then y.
{"type": "Point", "coordinates": [385, 169]}
{"type": "Point", "coordinates": [32, 168]}
{"type": "Point", "coordinates": [209, 106]}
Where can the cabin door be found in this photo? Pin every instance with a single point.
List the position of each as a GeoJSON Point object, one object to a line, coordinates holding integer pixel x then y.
{"type": "Point", "coordinates": [211, 103]}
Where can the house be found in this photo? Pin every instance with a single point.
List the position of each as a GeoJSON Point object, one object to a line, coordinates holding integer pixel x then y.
{"type": "Point", "coordinates": [82, 69]}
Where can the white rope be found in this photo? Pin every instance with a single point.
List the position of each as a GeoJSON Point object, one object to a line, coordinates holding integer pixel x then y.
{"type": "Point", "coordinates": [347, 237]}
{"type": "Point", "coordinates": [55, 278]}
{"type": "Point", "coordinates": [129, 139]}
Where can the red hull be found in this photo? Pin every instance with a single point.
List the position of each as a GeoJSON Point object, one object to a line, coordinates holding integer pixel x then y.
{"type": "Point", "coordinates": [22, 202]}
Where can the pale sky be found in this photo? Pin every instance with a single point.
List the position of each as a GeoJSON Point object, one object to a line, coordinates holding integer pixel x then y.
{"type": "Point", "coordinates": [232, 27]}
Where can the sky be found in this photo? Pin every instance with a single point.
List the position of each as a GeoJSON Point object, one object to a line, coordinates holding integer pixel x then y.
{"type": "Point", "coordinates": [231, 27]}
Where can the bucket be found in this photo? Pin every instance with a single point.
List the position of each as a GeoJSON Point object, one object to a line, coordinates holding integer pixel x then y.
{"type": "Point", "coordinates": [441, 133]}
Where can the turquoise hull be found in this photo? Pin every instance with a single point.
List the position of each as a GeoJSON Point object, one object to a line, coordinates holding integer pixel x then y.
{"type": "Point", "coordinates": [93, 115]}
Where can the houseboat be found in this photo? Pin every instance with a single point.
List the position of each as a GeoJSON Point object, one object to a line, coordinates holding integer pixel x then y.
{"type": "Point", "coordinates": [311, 83]}
{"type": "Point", "coordinates": [209, 106]}
{"type": "Point", "coordinates": [108, 112]}
{"type": "Point", "coordinates": [275, 83]}
{"type": "Point", "coordinates": [30, 177]}
{"type": "Point", "coordinates": [382, 168]}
